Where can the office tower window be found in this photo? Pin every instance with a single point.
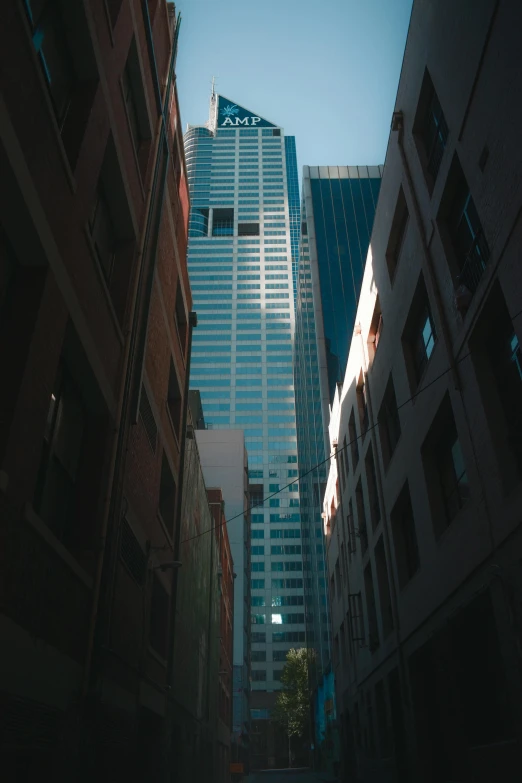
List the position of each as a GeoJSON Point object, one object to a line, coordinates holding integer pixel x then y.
{"type": "Point", "coordinates": [397, 234]}
{"type": "Point", "coordinates": [258, 656]}
{"type": "Point", "coordinates": [430, 130]}
{"type": "Point", "coordinates": [222, 222]}
{"type": "Point", "coordinates": [389, 423]}
{"type": "Point", "coordinates": [247, 229]}
{"type": "Point", "coordinates": [445, 470]}
{"type": "Point", "coordinates": [404, 537]}
{"type": "Point", "coordinates": [258, 675]}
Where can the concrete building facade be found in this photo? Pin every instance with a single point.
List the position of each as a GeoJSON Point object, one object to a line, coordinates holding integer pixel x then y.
{"type": "Point", "coordinates": [95, 340]}
{"type": "Point", "coordinates": [225, 464]}
{"type": "Point", "coordinates": [422, 510]}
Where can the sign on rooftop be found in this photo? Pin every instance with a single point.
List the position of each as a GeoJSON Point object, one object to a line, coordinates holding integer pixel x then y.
{"type": "Point", "coordinates": [231, 115]}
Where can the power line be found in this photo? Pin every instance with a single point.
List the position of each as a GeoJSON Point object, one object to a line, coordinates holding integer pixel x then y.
{"type": "Point", "coordinates": [336, 452]}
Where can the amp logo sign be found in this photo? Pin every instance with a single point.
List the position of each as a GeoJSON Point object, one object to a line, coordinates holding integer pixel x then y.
{"type": "Point", "coordinates": [232, 115]}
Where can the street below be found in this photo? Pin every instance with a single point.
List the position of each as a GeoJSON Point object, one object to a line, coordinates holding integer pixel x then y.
{"type": "Point", "coordinates": [289, 776]}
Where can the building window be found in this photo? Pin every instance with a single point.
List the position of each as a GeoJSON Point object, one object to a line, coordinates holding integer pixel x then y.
{"type": "Point", "coordinates": [461, 223]}
{"type": "Point", "coordinates": [445, 468]}
{"type": "Point", "coordinates": [103, 231]}
{"type": "Point", "coordinates": [167, 496]}
{"type": "Point", "coordinates": [362, 405]}
{"type": "Point", "coordinates": [62, 42]}
{"type": "Point", "coordinates": [136, 107]}
{"type": "Point", "coordinates": [354, 443]}
{"type": "Point", "coordinates": [383, 585]}
{"type": "Point", "coordinates": [397, 234]}
{"type": "Point", "coordinates": [54, 52]}
{"type": "Point", "coordinates": [375, 333]}
{"type": "Point", "coordinates": [248, 229]}
{"type": "Point", "coordinates": [159, 617]}
{"type": "Point", "coordinates": [371, 480]}
{"type": "Point", "coordinates": [430, 130]}
{"type": "Point", "coordinates": [389, 423]}
{"type": "Point", "coordinates": [419, 336]}
{"type": "Point", "coordinates": [223, 223]}
{"type": "Point", "coordinates": [174, 400]}
{"type": "Point", "coordinates": [497, 357]}
{"type": "Point", "coordinates": [180, 316]}
{"type": "Point", "coordinates": [352, 542]}
{"type": "Point", "coordinates": [373, 632]}
{"type": "Point", "coordinates": [258, 656]}
{"type": "Point", "coordinates": [147, 417]}
{"type": "Point", "coordinates": [66, 426]}
{"type": "Point", "coordinates": [361, 517]}
{"type": "Point", "coordinates": [404, 537]}
{"type": "Point", "coordinates": [258, 675]}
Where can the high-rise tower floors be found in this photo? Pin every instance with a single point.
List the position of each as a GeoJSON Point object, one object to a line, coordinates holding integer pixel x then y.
{"type": "Point", "coordinates": [243, 182]}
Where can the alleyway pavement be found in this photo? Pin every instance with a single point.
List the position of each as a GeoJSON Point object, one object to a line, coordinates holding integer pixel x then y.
{"type": "Point", "coordinates": [290, 776]}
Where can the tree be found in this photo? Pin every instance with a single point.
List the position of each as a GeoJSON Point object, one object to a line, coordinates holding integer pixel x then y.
{"type": "Point", "coordinates": [292, 705]}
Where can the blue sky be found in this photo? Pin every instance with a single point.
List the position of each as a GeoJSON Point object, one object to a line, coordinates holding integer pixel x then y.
{"type": "Point", "coordinates": [326, 71]}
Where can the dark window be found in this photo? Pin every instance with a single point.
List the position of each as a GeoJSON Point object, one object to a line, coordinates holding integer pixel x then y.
{"type": "Point", "coordinates": [371, 480]}
{"type": "Point", "coordinates": [63, 45]}
{"type": "Point", "coordinates": [384, 588]}
{"type": "Point", "coordinates": [258, 656]}
{"type": "Point", "coordinates": [103, 231]}
{"type": "Point", "coordinates": [354, 443]}
{"type": "Point", "coordinates": [132, 554]}
{"type": "Point", "coordinates": [375, 333]}
{"type": "Point", "coordinates": [276, 132]}
{"type": "Point", "coordinates": [497, 357]}
{"type": "Point", "coordinates": [180, 315]}
{"type": "Point", "coordinates": [389, 423]}
{"type": "Point", "coordinates": [385, 745]}
{"type": "Point", "coordinates": [361, 517]}
{"type": "Point", "coordinates": [174, 399]}
{"type": "Point", "coordinates": [111, 229]}
{"type": "Point", "coordinates": [397, 234]}
{"type": "Point", "coordinates": [248, 229]}
{"type": "Point", "coordinates": [147, 417]}
{"type": "Point", "coordinates": [404, 537]}
{"type": "Point", "coordinates": [258, 637]}
{"type": "Point", "coordinates": [352, 541]}
{"type": "Point", "coordinates": [159, 617]}
{"type": "Point", "coordinates": [135, 104]}
{"type": "Point", "coordinates": [363, 406]}
{"type": "Point", "coordinates": [373, 632]}
{"type": "Point", "coordinates": [444, 466]}
{"type": "Point", "coordinates": [223, 223]}
{"type": "Point", "coordinates": [419, 335]}
{"type": "Point", "coordinates": [67, 419]}
{"type": "Point", "coordinates": [167, 498]}
{"type": "Point", "coordinates": [461, 221]}
{"type": "Point", "coordinates": [279, 655]}
{"type": "Point", "coordinates": [430, 130]}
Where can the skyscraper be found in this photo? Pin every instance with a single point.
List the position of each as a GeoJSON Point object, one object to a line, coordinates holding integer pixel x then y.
{"type": "Point", "coordinates": [243, 248]}
{"type": "Point", "coordinates": [338, 208]}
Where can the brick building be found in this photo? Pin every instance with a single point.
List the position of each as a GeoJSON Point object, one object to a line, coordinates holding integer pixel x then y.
{"type": "Point", "coordinates": [95, 341]}
{"type": "Point", "coordinates": [423, 505]}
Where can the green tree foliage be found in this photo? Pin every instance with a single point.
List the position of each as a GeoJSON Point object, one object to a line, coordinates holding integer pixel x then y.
{"type": "Point", "coordinates": [292, 706]}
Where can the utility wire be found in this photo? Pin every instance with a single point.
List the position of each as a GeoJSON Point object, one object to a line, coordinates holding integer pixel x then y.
{"type": "Point", "coordinates": [334, 453]}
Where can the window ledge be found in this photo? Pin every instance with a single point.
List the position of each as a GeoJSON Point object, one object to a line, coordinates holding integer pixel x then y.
{"type": "Point", "coordinates": [32, 518]}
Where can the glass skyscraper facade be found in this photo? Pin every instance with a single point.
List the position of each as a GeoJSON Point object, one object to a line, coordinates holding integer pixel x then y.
{"type": "Point", "coordinates": [337, 212]}
{"type": "Point", "coordinates": [243, 245]}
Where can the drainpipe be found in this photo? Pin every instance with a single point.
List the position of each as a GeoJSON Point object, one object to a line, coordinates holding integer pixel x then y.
{"type": "Point", "coordinates": [398, 126]}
